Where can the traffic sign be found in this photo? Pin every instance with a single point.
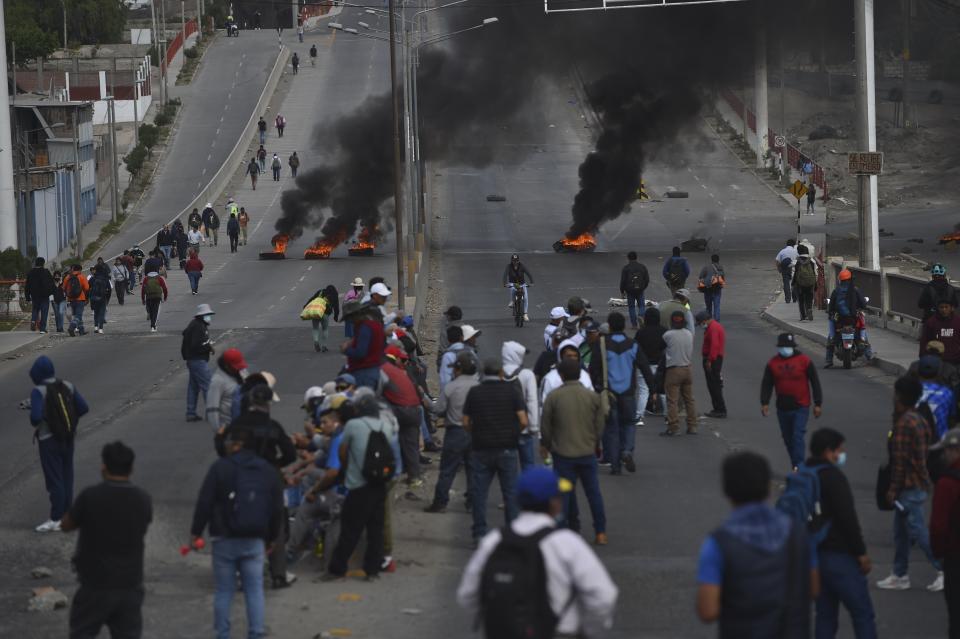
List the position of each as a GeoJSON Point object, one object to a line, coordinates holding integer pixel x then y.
{"type": "Point", "coordinates": [798, 189]}
{"type": "Point", "coordinates": [870, 163]}
{"type": "Point", "coordinates": [779, 141]}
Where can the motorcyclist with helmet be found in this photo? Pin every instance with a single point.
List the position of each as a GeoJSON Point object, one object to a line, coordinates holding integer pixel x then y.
{"type": "Point", "coordinates": [937, 290]}
{"type": "Point", "coordinates": [517, 273]}
{"type": "Point", "coordinates": [846, 302]}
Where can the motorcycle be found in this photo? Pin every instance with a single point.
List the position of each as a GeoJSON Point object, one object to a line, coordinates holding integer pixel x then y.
{"type": "Point", "coordinates": [848, 340]}
{"type": "Point", "coordinates": [233, 30]}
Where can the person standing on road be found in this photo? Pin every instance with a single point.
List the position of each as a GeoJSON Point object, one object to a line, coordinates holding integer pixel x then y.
{"type": "Point", "coordinates": [194, 269]}
{"type": "Point", "coordinates": [112, 518]}
{"type": "Point", "coordinates": [275, 166]}
{"type": "Point", "coordinates": [56, 407]}
{"type": "Point", "coordinates": [205, 217]}
{"type": "Point", "coordinates": [805, 278]}
{"type": "Point", "coordinates": [214, 224]}
{"type": "Point", "coordinates": [494, 414]}
{"type": "Point", "coordinates": [299, 37]}
{"type": "Point", "coordinates": [153, 292]}
{"type": "Point", "coordinates": [230, 373]}
{"type": "Point", "coordinates": [811, 197]}
{"type": "Point", "coordinates": [909, 485]}
{"type": "Point", "coordinates": [365, 350]}
{"type": "Point", "coordinates": [37, 290]}
{"type": "Point", "coordinates": [714, 347]}
{"type": "Point", "coordinates": [75, 287]}
{"type": "Point", "coordinates": [710, 282]}
{"type": "Point", "coordinates": [119, 274]}
{"type": "Point", "coordinates": [233, 232]}
{"type": "Point", "coordinates": [294, 163]}
{"type": "Point", "coordinates": [59, 301]}
{"type": "Point", "coordinates": [196, 349]}
{"type": "Point", "coordinates": [650, 340]}
{"type": "Point", "coordinates": [180, 237]}
{"type": "Point", "coordinates": [794, 376]}
{"type": "Point", "coordinates": [572, 426]}
{"type": "Point", "coordinates": [313, 55]}
{"type": "Point", "coordinates": [680, 301]}
{"type": "Point", "coordinates": [402, 395]}
{"type": "Point", "coordinates": [936, 290]}
{"type": "Point", "coordinates": [842, 555]}
{"type": "Point", "coordinates": [678, 378]}
{"type": "Point", "coordinates": [675, 271]}
{"type": "Point", "coordinates": [165, 243]}
{"type": "Point", "coordinates": [756, 572]}
{"type": "Point", "coordinates": [577, 589]}
{"type": "Point", "coordinates": [634, 280]}
{"type": "Point", "coordinates": [512, 354]}
{"type": "Point", "coordinates": [239, 530]}
{"type": "Point", "coordinates": [262, 129]}
{"type": "Point", "coordinates": [945, 328]}
{"type": "Point", "coordinates": [244, 219]}
{"type": "Point", "coordinates": [194, 239]}
{"type": "Point", "coordinates": [295, 61]}
{"type": "Point", "coordinates": [785, 261]}
{"type": "Point", "coordinates": [262, 158]}
{"type": "Point", "coordinates": [281, 124]}
{"type": "Point", "coordinates": [944, 533]}
{"type": "Point", "coordinates": [456, 441]}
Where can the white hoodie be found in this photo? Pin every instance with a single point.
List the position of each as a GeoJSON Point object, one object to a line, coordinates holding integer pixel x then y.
{"type": "Point", "coordinates": [552, 381]}
{"type": "Point", "coordinates": [512, 354]}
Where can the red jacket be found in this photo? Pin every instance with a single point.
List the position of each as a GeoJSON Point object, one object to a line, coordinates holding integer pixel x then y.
{"type": "Point", "coordinates": [398, 388]}
{"type": "Point", "coordinates": [793, 377]}
{"type": "Point", "coordinates": [945, 330]}
{"type": "Point", "coordinates": [945, 518]}
{"type": "Point", "coordinates": [193, 265]}
{"type": "Point", "coordinates": [714, 341]}
{"type": "Point", "coordinates": [143, 289]}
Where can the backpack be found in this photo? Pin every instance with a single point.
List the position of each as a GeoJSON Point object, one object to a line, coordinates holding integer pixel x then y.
{"type": "Point", "coordinates": [675, 271]}
{"type": "Point", "coordinates": [801, 501]}
{"type": "Point", "coordinates": [379, 464]}
{"type": "Point", "coordinates": [843, 305]}
{"type": "Point", "coordinates": [249, 503]}
{"type": "Point", "coordinates": [276, 163]}
{"type": "Point", "coordinates": [214, 220]}
{"type": "Point", "coordinates": [636, 282]}
{"type": "Point", "coordinates": [806, 274]}
{"type": "Point", "coordinates": [59, 411]}
{"type": "Point", "coordinates": [152, 288]}
{"type": "Point", "coordinates": [98, 289]}
{"type": "Point", "coordinates": [514, 602]}
{"type": "Point", "coordinates": [74, 288]}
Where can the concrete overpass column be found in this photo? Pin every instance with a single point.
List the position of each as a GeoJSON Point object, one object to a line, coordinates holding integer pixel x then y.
{"type": "Point", "coordinates": [8, 205]}
{"type": "Point", "coordinates": [760, 96]}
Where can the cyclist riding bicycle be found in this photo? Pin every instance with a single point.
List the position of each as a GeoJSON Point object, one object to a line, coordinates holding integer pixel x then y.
{"type": "Point", "coordinates": [517, 273]}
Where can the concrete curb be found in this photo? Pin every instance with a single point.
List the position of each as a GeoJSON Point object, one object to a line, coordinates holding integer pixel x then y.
{"type": "Point", "coordinates": [885, 365]}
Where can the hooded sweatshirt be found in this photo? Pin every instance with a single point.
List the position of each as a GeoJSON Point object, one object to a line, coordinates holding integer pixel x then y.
{"type": "Point", "coordinates": [512, 354]}
{"type": "Point", "coordinates": [552, 381]}
{"type": "Point", "coordinates": [650, 337]}
{"type": "Point", "coordinates": [42, 373]}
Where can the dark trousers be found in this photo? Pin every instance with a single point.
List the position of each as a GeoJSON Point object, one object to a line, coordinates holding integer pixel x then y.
{"type": "Point", "coordinates": [99, 313]}
{"type": "Point", "coordinates": [619, 435]}
{"type": "Point", "coordinates": [278, 558]}
{"type": "Point", "coordinates": [787, 275]}
{"type": "Point", "coordinates": [276, 174]}
{"type": "Point", "coordinates": [118, 610]}
{"type": "Point", "coordinates": [120, 289]}
{"type": "Point", "coordinates": [39, 313]}
{"type": "Point", "coordinates": [711, 299]}
{"type": "Point", "coordinates": [487, 463]}
{"type": "Point", "coordinates": [153, 310]}
{"type": "Point", "coordinates": [56, 460]}
{"type": "Point", "coordinates": [408, 419]}
{"type": "Point", "coordinates": [584, 469]}
{"type": "Point", "coordinates": [805, 301]}
{"type": "Point", "coordinates": [636, 307]}
{"type": "Point", "coordinates": [841, 582]}
{"type": "Point", "coordinates": [234, 240]}
{"type": "Point", "coordinates": [363, 509]}
{"type": "Point", "coordinates": [951, 591]}
{"type": "Point", "coordinates": [456, 452]}
{"type": "Point", "coordinates": [714, 376]}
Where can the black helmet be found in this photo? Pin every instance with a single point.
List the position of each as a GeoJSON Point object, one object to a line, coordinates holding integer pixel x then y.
{"type": "Point", "coordinates": [515, 257]}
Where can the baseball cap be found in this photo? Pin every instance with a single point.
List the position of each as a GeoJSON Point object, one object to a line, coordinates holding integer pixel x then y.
{"type": "Point", "coordinates": [592, 327]}
{"type": "Point", "coordinates": [346, 378]}
{"type": "Point", "coordinates": [786, 339]}
{"type": "Point", "coordinates": [233, 358]}
{"type": "Point", "coordinates": [935, 345]}
{"type": "Point", "coordinates": [395, 352]}
{"type": "Point", "coordinates": [558, 312]}
{"type": "Point", "coordinates": [314, 392]}
{"type": "Point", "coordinates": [272, 383]}
{"type": "Point", "coordinates": [951, 439]}
{"type": "Point", "coordinates": [334, 402]}
{"type": "Point", "coordinates": [928, 366]}
{"type": "Point", "coordinates": [702, 316]}
{"type": "Point", "coordinates": [685, 292]}
{"type": "Point", "coordinates": [380, 289]}
{"type": "Point", "coordinates": [539, 485]}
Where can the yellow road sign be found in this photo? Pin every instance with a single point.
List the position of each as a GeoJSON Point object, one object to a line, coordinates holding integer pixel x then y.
{"type": "Point", "coordinates": [798, 189]}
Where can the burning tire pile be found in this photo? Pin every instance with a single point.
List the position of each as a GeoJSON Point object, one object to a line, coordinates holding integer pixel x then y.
{"type": "Point", "coordinates": [322, 249]}
{"type": "Point", "coordinates": [586, 242]}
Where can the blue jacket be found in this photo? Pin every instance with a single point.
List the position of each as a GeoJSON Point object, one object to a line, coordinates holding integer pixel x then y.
{"type": "Point", "coordinates": [42, 373]}
{"type": "Point", "coordinates": [624, 357]}
{"type": "Point", "coordinates": [682, 261]}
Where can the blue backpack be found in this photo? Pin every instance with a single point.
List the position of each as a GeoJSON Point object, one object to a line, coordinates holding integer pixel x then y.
{"type": "Point", "coordinates": [843, 301]}
{"type": "Point", "coordinates": [251, 501]}
{"type": "Point", "coordinates": [801, 501]}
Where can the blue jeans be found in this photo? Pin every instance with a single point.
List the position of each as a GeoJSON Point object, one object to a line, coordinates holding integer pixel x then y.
{"type": "Point", "coordinates": [59, 310]}
{"type": "Point", "coordinates": [909, 528]}
{"type": "Point", "coordinates": [793, 429]}
{"type": "Point", "coordinates": [584, 469]}
{"type": "Point", "coordinates": [77, 322]}
{"type": "Point", "coordinates": [56, 460]}
{"type": "Point", "coordinates": [244, 556]}
{"type": "Point", "coordinates": [194, 277]}
{"type": "Point", "coordinates": [39, 313]}
{"type": "Point", "coordinates": [787, 275]}
{"type": "Point", "coordinates": [486, 463]}
{"type": "Point", "coordinates": [636, 306]}
{"type": "Point", "coordinates": [527, 452]}
{"type": "Point", "coordinates": [263, 139]}
{"type": "Point", "coordinates": [198, 382]}
{"type": "Point", "coordinates": [424, 429]}
{"type": "Point", "coordinates": [841, 582]}
{"type": "Point", "coordinates": [369, 377]}
{"type": "Point", "coordinates": [711, 299]}
{"type": "Point", "coordinates": [456, 451]}
{"type": "Point", "coordinates": [620, 432]}
{"type": "Point", "coordinates": [166, 254]}
{"type": "Point", "coordinates": [526, 297]}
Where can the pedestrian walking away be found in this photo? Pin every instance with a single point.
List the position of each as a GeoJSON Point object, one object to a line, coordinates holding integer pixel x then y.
{"type": "Point", "coordinates": [37, 289]}
{"type": "Point", "coordinates": [677, 377]}
{"type": "Point", "coordinates": [313, 55]}
{"type": "Point", "coordinates": [756, 572]}
{"type": "Point", "coordinates": [196, 349]}
{"type": "Point", "coordinates": [112, 517]}
{"type": "Point", "coordinates": [634, 280]}
{"type": "Point", "coordinates": [233, 232]}
{"type": "Point", "coordinates": [568, 593]}
{"type": "Point", "coordinates": [710, 282]}
{"type": "Point", "coordinates": [794, 377]}
{"type": "Point", "coordinates": [404, 399]}
{"type": "Point", "coordinates": [295, 61]}
{"type": "Point", "coordinates": [811, 198]}
{"type": "Point", "coordinates": [280, 122]}
{"type": "Point", "coordinates": [676, 270]}
{"type": "Point", "coordinates": [244, 219]}
{"type": "Point", "coordinates": [76, 287]}
{"type": "Point", "coordinates": [275, 166]}
{"type": "Point", "coordinates": [194, 270]}
{"type": "Point", "coordinates": [944, 534]}
{"type": "Point", "coordinates": [785, 261]}
{"type": "Point", "coordinates": [318, 309]}
{"type": "Point", "coordinates": [299, 37]}
{"type": "Point", "coordinates": [119, 274]}
{"type": "Point", "coordinates": [714, 347]}
{"type": "Point", "coordinates": [152, 294]}
{"type": "Point", "coordinates": [100, 288]}
{"type": "Point", "coordinates": [512, 355]}
{"type": "Point", "coordinates": [805, 278]}
{"type": "Point", "coordinates": [650, 340]}
{"type": "Point", "coordinates": [56, 407]}
{"type": "Point", "coordinates": [294, 163]}
{"type": "Point", "coordinates": [262, 129]}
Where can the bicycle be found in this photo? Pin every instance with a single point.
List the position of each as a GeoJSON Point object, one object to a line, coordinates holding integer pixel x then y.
{"type": "Point", "coordinates": [519, 295]}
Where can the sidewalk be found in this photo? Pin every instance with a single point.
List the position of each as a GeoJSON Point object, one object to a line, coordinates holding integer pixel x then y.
{"type": "Point", "coordinates": [893, 353]}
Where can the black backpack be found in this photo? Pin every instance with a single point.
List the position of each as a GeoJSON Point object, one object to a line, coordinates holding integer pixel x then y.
{"type": "Point", "coordinates": [250, 503]}
{"type": "Point", "coordinates": [59, 411]}
{"type": "Point", "coordinates": [675, 271]}
{"type": "Point", "coordinates": [514, 602]}
{"type": "Point", "coordinates": [379, 463]}
{"type": "Point", "coordinates": [99, 288]}
{"type": "Point", "coordinates": [74, 288]}
{"type": "Point", "coordinates": [636, 282]}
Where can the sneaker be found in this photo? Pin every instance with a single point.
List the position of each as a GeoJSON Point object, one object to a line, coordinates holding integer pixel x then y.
{"type": "Point", "coordinates": [669, 433]}
{"type": "Point", "coordinates": [414, 483]}
{"type": "Point", "coordinates": [48, 526]}
{"type": "Point", "coordinates": [892, 582]}
{"type": "Point", "coordinates": [153, 329]}
{"type": "Point", "coordinates": [284, 582]}
{"type": "Point", "coordinates": [388, 564]}
{"type": "Point", "coordinates": [601, 539]}
{"type": "Point", "coordinates": [510, 305]}
{"type": "Point", "coordinates": [194, 418]}
{"type": "Point", "coordinates": [316, 347]}
{"type": "Point", "coordinates": [72, 331]}
{"type": "Point", "coordinates": [435, 508]}
{"type": "Point", "coordinates": [639, 422]}
{"type": "Point", "coordinates": [329, 577]}
{"type": "Point", "coordinates": [604, 463]}
{"type": "Point", "coordinates": [431, 448]}
{"type": "Point", "coordinates": [715, 414]}
{"type": "Point", "coordinates": [828, 365]}
{"type": "Point", "coordinates": [526, 318]}
{"type": "Point", "coordinates": [937, 585]}
{"type": "Point", "coordinates": [629, 464]}
{"type": "Point", "coordinates": [43, 332]}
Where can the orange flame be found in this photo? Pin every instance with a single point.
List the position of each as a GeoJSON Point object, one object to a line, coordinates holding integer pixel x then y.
{"type": "Point", "coordinates": [323, 247]}
{"type": "Point", "coordinates": [365, 240]}
{"type": "Point", "coordinates": [586, 241]}
{"type": "Point", "coordinates": [279, 242]}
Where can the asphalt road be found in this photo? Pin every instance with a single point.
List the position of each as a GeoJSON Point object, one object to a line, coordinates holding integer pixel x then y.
{"type": "Point", "coordinates": [657, 517]}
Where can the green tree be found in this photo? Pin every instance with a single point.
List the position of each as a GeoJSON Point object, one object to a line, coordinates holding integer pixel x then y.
{"type": "Point", "coordinates": [95, 21]}
{"type": "Point", "coordinates": [31, 38]}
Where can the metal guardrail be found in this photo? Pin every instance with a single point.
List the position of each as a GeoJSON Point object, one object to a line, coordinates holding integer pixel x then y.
{"type": "Point", "coordinates": [870, 284]}
{"type": "Point", "coordinates": [903, 293]}
{"type": "Point", "coordinates": [893, 295]}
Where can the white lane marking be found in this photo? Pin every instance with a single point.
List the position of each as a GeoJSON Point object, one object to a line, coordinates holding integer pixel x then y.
{"type": "Point", "coordinates": [204, 172]}
{"type": "Point", "coordinates": [303, 277]}
{"type": "Point", "coordinates": [209, 155]}
{"type": "Point", "coordinates": [293, 289]}
{"type": "Point", "coordinates": [712, 195]}
{"type": "Point", "coordinates": [734, 187]}
{"type": "Point", "coordinates": [696, 177]}
{"type": "Point", "coordinates": [283, 298]}
{"type": "Point", "coordinates": [225, 301]}
{"type": "Point", "coordinates": [270, 308]}
{"type": "Point", "coordinates": [310, 268]}
{"type": "Point", "coordinates": [704, 186]}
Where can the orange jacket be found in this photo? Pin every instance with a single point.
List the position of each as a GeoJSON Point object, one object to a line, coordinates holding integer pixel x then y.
{"type": "Point", "coordinates": [84, 287]}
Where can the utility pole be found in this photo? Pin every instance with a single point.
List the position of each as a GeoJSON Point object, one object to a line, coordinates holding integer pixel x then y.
{"type": "Point", "coordinates": [907, 10]}
{"type": "Point", "coordinates": [77, 174]}
{"type": "Point", "coordinates": [163, 58]}
{"type": "Point", "coordinates": [783, 114]}
{"type": "Point", "coordinates": [199, 21]}
{"type": "Point", "coordinates": [397, 188]}
{"type": "Point", "coordinates": [866, 133]}
{"type": "Point", "coordinates": [136, 107]}
{"type": "Point", "coordinates": [760, 95]}
{"type": "Point", "coordinates": [8, 205]}
{"type": "Point", "coordinates": [183, 26]}
{"type": "Point", "coordinates": [64, 24]}
{"type": "Point", "coordinates": [114, 178]}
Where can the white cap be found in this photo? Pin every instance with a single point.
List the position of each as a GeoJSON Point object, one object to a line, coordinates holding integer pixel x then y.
{"type": "Point", "coordinates": [210, 206]}
{"type": "Point", "coordinates": [271, 382]}
{"type": "Point", "coordinates": [314, 392]}
{"type": "Point", "coordinates": [469, 331]}
{"type": "Point", "coordinates": [380, 289]}
{"type": "Point", "coordinates": [558, 312]}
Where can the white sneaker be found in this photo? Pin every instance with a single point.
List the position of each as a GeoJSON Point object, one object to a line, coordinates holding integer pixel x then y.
{"type": "Point", "coordinates": [510, 305]}
{"type": "Point", "coordinates": [892, 582]}
{"type": "Point", "coordinates": [526, 318]}
{"type": "Point", "coordinates": [48, 526]}
{"type": "Point", "coordinates": [153, 329]}
{"type": "Point", "coordinates": [937, 585]}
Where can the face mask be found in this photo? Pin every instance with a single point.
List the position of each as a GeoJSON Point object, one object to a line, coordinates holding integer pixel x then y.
{"type": "Point", "coordinates": [842, 458]}
{"type": "Point", "coordinates": [207, 318]}
{"type": "Point", "coordinates": [785, 351]}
